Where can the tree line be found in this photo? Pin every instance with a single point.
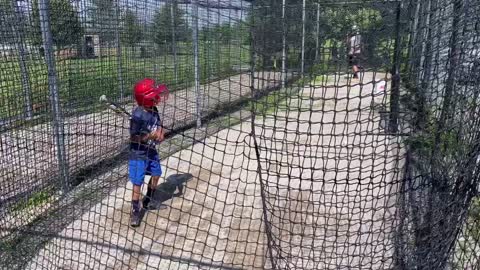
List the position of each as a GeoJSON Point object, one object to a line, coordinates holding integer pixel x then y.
{"type": "Point", "coordinates": [102, 18]}
{"type": "Point", "coordinates": [329, 25]}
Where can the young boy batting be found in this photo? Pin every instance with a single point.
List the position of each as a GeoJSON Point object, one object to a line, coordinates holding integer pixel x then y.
{"type": "Point", "coordinates": [145, 133]}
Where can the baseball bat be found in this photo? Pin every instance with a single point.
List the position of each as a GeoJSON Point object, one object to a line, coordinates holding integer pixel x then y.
{"type": "Point", "coordinates": [114, 106]}
{"type": "Point", "coordinates": [120, 110]}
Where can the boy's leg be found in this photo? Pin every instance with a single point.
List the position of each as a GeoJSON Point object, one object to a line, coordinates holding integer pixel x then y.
{"type": "Point", "coordinates": [153, 182]}
{"type": "Point", "coordinates": [136, 171]}
{"type": "Point", "coordinates": [355, 66]}
{"type": "Point", "coordinates": [351, 63]}
{"type": "Point", "coordinates": [155, 171]}
{"type": "Point", "coordinates": [152, 185]}
{"type": "Point", "coordinates": [135, 216]}
{"type": "Point", "coordinates": [355, 71]}
{"type": "Point", "coordinates": [137, 190]}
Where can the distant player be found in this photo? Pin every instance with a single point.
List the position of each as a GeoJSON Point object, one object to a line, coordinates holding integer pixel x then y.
{"type": "Point", "coordinates": [145, 133]}
{"type": "Point", "coordinates": [354, 50]}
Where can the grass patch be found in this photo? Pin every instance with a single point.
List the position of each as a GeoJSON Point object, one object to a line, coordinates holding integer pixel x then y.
{"type": "Point", "coordinates": [81, 81]}
{"type": "Point", "coordinates": [288, 99]}
{"type": "Point", "coordinates": [37, 199]}
{"type": "Point", "coordinates": [320, 80]}
{"type": "Point", "coordinates": [468, 246]}
{"type": "Point", "coordinates": [229, 120]}
{"type": "Point", "coordinates": [8, 244]}
{"type": "Point", "coordinates": [282, 100]}
{"type": "Point", "coordinates": [474, 220]}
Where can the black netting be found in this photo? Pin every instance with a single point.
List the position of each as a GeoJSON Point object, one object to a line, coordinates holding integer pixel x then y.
{"type": "Point", "coordinates": [299, 134]}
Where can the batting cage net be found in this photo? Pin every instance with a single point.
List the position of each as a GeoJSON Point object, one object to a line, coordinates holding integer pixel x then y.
{"type": "Point", "coordinates": [298, 134]}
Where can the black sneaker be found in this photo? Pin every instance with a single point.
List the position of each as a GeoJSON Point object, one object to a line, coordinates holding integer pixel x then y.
{"type": "Point", "coordinates": [135, 219]}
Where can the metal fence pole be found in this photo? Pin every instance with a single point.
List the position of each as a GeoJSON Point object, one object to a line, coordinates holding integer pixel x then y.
{"type": "Point", "coordinates": [426, 67]}
{"type": "Point", "coordinates": [53, 89]}
{"type": "Point", "coordinates": [27, 90]}
{"type": "Point", "coordinates": [317, 36]}
{"type": "Point", "coordinates": [302, 68]}
{"type": "Point", "coordinates": [284, 44]}
{"type": "Point", "coordinates": [395, 92]}
{"type": "Point", "coordinates": [174, 39]}
{"type": "Point", "coordinates": [198, 99]}
{"type": "Point", "coordinates": [119, 51]}
{"type": "Point", "coordinates": [143, 51]}
{"type": "Point", "coordinates": [419, 33]}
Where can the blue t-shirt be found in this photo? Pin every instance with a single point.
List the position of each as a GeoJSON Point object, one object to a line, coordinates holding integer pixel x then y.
{"type": "Point", "coordinates": [142, 123]}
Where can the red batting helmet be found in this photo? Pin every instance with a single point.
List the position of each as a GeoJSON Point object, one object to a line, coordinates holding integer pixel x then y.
{"type": "Point", "coordinates": [148, 94]}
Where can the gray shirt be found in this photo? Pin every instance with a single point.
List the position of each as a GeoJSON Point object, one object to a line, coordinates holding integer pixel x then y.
{"type": "Point", "coordinates": [355, 44]}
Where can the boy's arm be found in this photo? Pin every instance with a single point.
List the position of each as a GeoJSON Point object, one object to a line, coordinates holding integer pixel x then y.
{"type": "Point", "coordinates": [138, 134]}
{"type": "Point", "coordinates": [160, 131]}
{"type": "Point", "coordinates": [143, 138]}
{"type": "Point", "coordinates": [160, 134]}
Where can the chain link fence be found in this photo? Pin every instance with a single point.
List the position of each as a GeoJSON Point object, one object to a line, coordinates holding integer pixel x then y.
{"type": "Point", "coordinates": [295, 164]}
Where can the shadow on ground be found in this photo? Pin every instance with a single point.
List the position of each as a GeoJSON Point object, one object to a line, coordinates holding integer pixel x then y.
{"type": "Point", "coordinates": [172, 187]}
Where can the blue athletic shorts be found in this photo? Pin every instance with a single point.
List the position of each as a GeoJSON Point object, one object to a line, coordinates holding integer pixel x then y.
{"type": "Point", "coordinates": [137, 169]}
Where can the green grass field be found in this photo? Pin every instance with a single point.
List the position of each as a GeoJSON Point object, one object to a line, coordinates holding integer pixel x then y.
{"type": "Point", "coordinates": [81, 81]}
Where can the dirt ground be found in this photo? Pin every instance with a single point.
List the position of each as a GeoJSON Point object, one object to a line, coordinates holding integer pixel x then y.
{"type": "Point", "coordinates": [328, 174]}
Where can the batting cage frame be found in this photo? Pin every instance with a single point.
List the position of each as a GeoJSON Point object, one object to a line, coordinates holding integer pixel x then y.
{"type": "Point", "coordinates": [292, 134]}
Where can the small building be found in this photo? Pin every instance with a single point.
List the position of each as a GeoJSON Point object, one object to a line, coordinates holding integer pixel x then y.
{"type": "Point", "coordinates": [91, 46]}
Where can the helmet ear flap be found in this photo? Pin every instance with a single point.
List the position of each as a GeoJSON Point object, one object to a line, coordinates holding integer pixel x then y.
{"type": "Point", "coordinates": [163, 92]}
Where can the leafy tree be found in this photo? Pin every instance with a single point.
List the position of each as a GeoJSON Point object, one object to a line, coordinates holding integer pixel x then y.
{"type": "Point", "coordinates": [163, 29]}
{"type": "Point", "coordinates": [132, 32]}
{"type": "Point", "coordinates": [64, 22]}
{"type": "Point", "coordinates": [7, 22]}
{"type": "Point", "coordinates": [335, 23]}
{"type": "Point", "coordinates": [266, 21]}
{"type": "Point", "coordinates": [226, 33]}
{"type": "Point", "coordinates": [103, 18]}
